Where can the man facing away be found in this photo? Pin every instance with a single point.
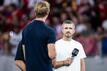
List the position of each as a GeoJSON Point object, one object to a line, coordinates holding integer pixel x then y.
{"type": "Point", "coordinates": [65, 46]}
{"type": "Point", "coordinates": [38, 40]}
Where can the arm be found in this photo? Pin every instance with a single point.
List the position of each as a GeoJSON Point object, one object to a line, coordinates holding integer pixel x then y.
{"type": "Point", "coordinates": [19, 59]}
{"type": "Point", "coordinates": [81, 55]}
{"type": "Point", "coordinates": [51, 51]}
{"type": "Point", "coordinates": [82, 65]}
{"type": "Point", "coordinates": [20, 64]}
{"type": "Point", "coordinates": [57, 64]}
{"type": "Point", "coordinates": [51, 45]}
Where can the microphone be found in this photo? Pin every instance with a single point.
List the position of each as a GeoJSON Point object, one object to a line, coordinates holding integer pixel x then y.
{"type": "Point", "coordinates": [75, 52]}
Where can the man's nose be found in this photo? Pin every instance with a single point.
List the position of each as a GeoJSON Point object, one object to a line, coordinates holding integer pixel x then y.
{"type": "Point", "coordinates": [68, 29]}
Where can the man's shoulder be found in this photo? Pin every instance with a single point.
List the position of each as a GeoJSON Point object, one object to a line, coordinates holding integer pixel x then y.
{"type": "Point", "coordinates": [77, 42]}
{"type": "Point", "coordinates": [58, 41]}
{"type": "Point", "coordinates": [28, 26]}
{"type": "Point", "coordinates": [50, 30]}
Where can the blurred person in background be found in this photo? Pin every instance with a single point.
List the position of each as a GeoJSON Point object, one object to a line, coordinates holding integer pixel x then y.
{"type": "Point", "coordinates": [57, 26]}
{"type": "Point", "coordinates": [99, 36]}
{"type": "Point", "coordinates": [102, 8]}
{"type": "Point", "coordinates": [6, 46]}
{"type": "Point", "coordinates": [85, 35]}
{"type": "Point", "coordinates": [104, 39]}
{"type": "Point", "coordinates": [38, 40]}
{"type": "Point", "coordinates": [63, 16]}
{"type": "Point", "coordinates": [2, 22]}
{"type": "Point", "coordinates": [64, 48]}
{"type": "Point", "coordinates": [1, 43]}
{"type": "Point", "coordinates": [15, 38]}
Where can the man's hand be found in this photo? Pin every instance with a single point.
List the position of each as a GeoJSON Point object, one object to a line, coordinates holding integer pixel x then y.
{"type": "Point", "coordinates": [21, 65]}
{"type": "Point", "coordinates": [68, 61]}
{"type": "Point", "coordinates": [58, 64]}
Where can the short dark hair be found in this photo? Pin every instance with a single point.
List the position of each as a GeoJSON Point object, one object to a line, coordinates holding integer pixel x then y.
{"type": "Point", "coordinates": [68, 22]}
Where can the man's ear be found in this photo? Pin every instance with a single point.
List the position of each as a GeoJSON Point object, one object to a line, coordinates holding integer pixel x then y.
{"type": "Point", "coordinates": [74, 31]}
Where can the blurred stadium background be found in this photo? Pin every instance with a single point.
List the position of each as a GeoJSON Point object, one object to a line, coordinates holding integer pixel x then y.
{"type": "Point", "coordinates": [89, 16]}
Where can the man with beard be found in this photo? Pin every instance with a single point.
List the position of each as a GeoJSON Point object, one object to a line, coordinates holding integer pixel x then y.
{"type": "Point", "coordinates": [65, 46]}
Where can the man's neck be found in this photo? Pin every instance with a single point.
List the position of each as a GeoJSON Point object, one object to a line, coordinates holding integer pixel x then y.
{"type": "Point", "coordinates": [67, 39]}
{"type": "Point", "coordinates": [41, 19]}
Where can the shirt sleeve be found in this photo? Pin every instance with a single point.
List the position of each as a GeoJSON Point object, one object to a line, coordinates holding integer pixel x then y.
{"type": "Point", "coordinates": [51, 37]}
{"type": "Point", "coordinates": [19, 53]}
{"type": "Point", "coordinates": [81, 53]}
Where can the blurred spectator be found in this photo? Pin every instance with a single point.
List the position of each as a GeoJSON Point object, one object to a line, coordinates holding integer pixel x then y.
{"type": "Point", "coordinates": [1, 42]}
{"type": "Point", "coordinates": [104, 39]}
{"type": "Point", "coordinates": [89, 43]}
{"type": "Point", "coordinates": [57, 27]}
{"type": "Point", "coordinates": [8, 2]}
{"type": "Point", "coordinates": [31, 3]}
{"type": "Point", "coordinates": [86, 14]}
{"type": "Point", "coordinates": [104, 45]}
{"type": "Point", "coordinates": [86, 9]}
{"type": "Point", "coordinates": [63, 16]}
{"type": "Point", "coordinates": [99, 35]}
{"type": "Point", "coordinates": [23, 22]}
{"type": "Point", "coordinates": [104, 24]}
{"type": "Point", "coordinates": [82, 24]}
{"type": "Point", "coordinates": [2, 22]}
{"type": "Point", "coordinates": [103, 10]}
{"type": "Point", "coordinates": [86, 36]}
{"type": "Point", "coordinates": [6, 47]}
{"type": "Point", "coordinates": [10, 18]}
{"type": "Point", "coordinates": [15, 37]}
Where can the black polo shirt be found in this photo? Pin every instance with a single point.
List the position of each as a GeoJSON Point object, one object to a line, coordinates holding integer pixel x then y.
{"type": "Point", "coordinates": [35, 37]}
